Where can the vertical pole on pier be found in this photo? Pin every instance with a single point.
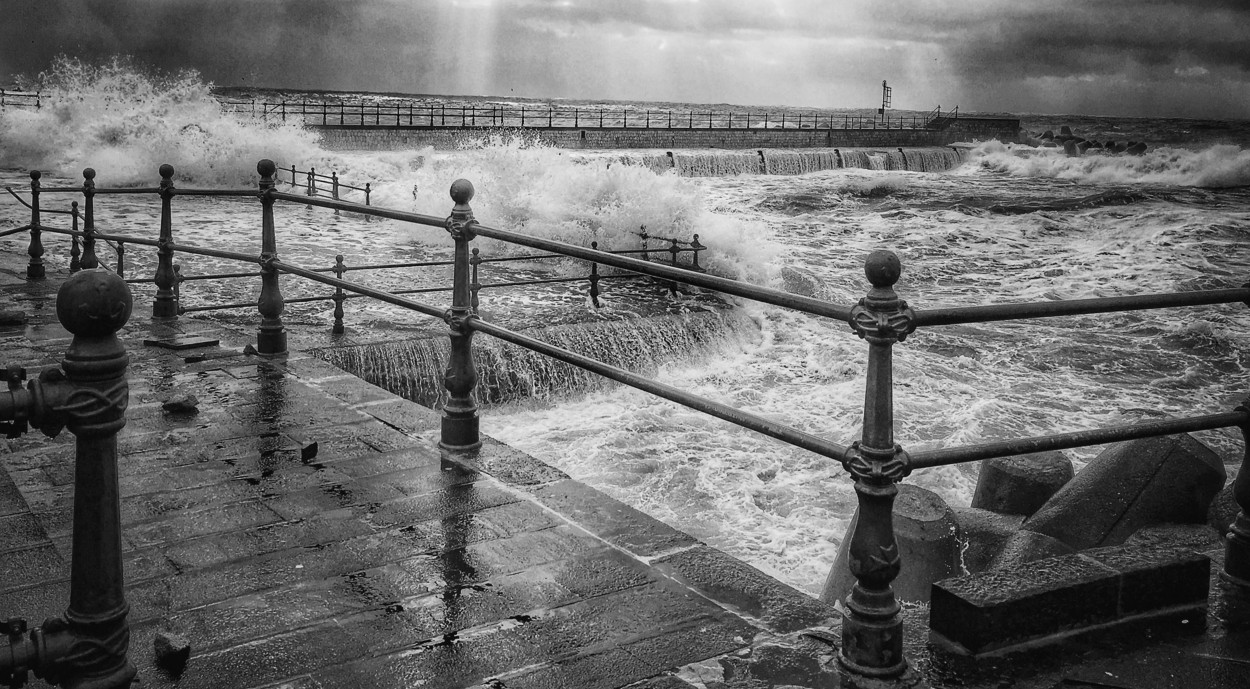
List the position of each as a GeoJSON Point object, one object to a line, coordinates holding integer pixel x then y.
{"type": "Point", "coordinates": [89, 259]}
{"type": "Point", "coordinates": [872, 626]}
{"type": "Point", "coordinates": [1236, 571]}
{"type": "Point", "coordinates": [334, 184]}
{"type": "Point", "coordinates": [594, 278]}
{"type": "Point", "coordinates": [271, 338]}
{"type": "Point", "coordinates": [166, 304]}
{"type": "Point", "coordinates": [367, 192]}
{"type": "Point", "coordinates": [75, 262]}
{"type": "Point", "coordinates": [575, 118]}
{"type": "Point", "coordinates": [87, 645]}
{"type": "Point", "coordinates": [460, 420]}
{"type": "Point", "coordinates": [339, 296]}
{"type": "Point", "coordinates": [121, 259]}
{"type": "Point", "coordinates": [35, 270]}
{"type": "Point", "coordinates": [312, 182]}
{"type": "Point", "coordinates": [474, 286]}
{"type": "Point", "coordinates": [695, 248]}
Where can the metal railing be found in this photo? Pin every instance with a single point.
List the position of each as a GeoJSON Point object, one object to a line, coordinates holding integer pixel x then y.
{"type": "Point", "coordinates": [20, 99]}
{"type": "Point", "coordinates": [872, 627]}
{"type": "Point", "coordinates": [310, 179]}
{"type": "Point", "coordinates": [410, 115]}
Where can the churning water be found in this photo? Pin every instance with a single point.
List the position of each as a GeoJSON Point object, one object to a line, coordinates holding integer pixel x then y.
{"type": "Point", "coordinates": [1007, 224]}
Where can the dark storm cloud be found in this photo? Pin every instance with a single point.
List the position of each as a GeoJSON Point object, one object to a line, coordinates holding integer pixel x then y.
{"type": "Point", "coordinates": [292, 43]}
{"type": "Point", "coordinates": [986, 54]}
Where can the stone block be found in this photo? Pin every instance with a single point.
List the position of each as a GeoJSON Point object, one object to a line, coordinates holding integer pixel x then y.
{"type": "Point", "coordinates": [983, 534]}
{"type": "Point", "coordinates": [927, 534]}
{"type": "Point", "coordinates": [1026, 546]}
{"type": "Point", "coordinates": [998, 609]}
{"type": "Point", "coordinates": [1021, 485]}
{"type": "Point", "coordinates": [1223, 510]}
{"type": "Point", "coordinates": [1131, 485]}
{"type": "Point", "coordinates": [1156, 578]}
{"type": "Point", "coordinates": [1195, 537]}
{"type": "Point", "coordinates": [1047, 600]}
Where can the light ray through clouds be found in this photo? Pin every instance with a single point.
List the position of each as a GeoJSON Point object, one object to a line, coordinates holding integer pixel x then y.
{"type": "Point", "coordinates": [1122, 57]}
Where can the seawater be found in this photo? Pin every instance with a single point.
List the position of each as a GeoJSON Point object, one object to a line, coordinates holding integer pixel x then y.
{"type": "Point", "coordinates": [1010, 224]}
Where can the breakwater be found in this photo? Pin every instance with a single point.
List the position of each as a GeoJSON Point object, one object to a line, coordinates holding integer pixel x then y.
{"type": "Point", "coordinates": [388, 137]}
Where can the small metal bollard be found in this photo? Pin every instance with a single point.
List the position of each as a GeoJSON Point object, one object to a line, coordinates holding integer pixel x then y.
{"type": "Point", "coordinates": [460, 419]}
{"type": "Point", "coordinates": [87, 646]}
{"type": "Point", "coordinates": [872, 624]}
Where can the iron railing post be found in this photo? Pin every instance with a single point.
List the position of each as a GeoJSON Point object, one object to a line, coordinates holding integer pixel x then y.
{"type": "Point", "coordinates": [87, 645]}
{"type": "Point", "coordinates": [460, 419]}
{"type": "Point", "coordinates": [271, 338]}
{"type": "Point", "coordinates": [339, 296]}
{"type": "Point", "coordinates": [872, 626]}
{"type": "Point", "coordinates": [89, 258]}
{"type": "Point", "coordinates": [1237, 549]}
{"type": "Point", "coordinates": [35, 270]}
{"type": "Point", "coordinates": [75, 254]}
{"type": "Point", "coordinates": [166, 304]}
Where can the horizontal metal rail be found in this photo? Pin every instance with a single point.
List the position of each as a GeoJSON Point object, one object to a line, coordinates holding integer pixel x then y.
{"type": "Point", "coordinates": [1077, 307]}
{"type": "Point", "coordinates": [772, 429]}
{"type": "Point", "coordinates": [1066, 441]}
{"type": "Point", "coordinates": [734, 287]}
{"type": "Point", "coordinates": [737, 417]}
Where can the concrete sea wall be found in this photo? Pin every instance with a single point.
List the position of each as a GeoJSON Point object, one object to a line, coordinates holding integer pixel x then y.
{"type": "Point", "coordinates": [382, 137]}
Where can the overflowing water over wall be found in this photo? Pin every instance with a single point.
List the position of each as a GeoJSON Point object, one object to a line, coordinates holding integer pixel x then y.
{"type": "Point", "coordinates": [414, 368]}
{"type": "Point", "coordinates": [721, 163]}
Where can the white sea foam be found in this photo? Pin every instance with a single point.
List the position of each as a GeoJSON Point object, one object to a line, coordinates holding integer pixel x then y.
{"type": "Point", "coordinates": [1221, 165]}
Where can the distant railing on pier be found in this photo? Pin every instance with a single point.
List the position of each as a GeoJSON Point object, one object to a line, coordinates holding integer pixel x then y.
{"type": "Point", "coordinates": [410, 115]}
{"type": "Point", "coordinates": [314, 182]}
{"type": "Point", "coordinates": [872, 627]}
{"type": "Point", "coordinates": [20, 99]}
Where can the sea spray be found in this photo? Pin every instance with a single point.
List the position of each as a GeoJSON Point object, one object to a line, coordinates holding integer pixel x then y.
{"type": "Point", "coordinates": [126, 122]}
{"type": "Point", "coordinates": [1217, 166]}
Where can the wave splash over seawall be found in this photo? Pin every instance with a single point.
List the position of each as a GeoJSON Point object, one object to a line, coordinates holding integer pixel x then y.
{"type": "Point", "coordinates": [1218, 166]}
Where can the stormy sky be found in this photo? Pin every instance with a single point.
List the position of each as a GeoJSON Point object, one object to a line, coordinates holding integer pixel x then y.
{"type": "Point", "coordinates": [1177, 58]}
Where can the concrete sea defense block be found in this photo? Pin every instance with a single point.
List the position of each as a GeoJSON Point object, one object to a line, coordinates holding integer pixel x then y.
{"type": "Point", "coordinates": [927, 534]}
{"type": "Point", "coordinates": [983, 534]}
{"type": "Point", "coordinates": [1021, 485]}
{"type": "Point", "coordinates": [1026, 546]}
{"type": "Point", "coordinates": [1131, 485]}
{"type": "Point", "coordinates": [1047, 600]}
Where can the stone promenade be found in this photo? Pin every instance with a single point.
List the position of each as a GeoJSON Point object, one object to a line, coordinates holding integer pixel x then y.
{"type": "Point", "coordinates": [301, 528]}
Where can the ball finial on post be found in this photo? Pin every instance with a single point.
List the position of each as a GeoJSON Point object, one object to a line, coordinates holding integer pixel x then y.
{"type": "Point", "coordinates": [462, 192]}
{"type": "Point", "coordinates": [167, 173]}
{"type": "Point", "coordinates": [882, 268]}
{"type": "Point", "coordinates": [93, 303]}
{"type": "Point", "coordinates": [88, 173]}
{"type": "Point", "coordinates": [266, 168]}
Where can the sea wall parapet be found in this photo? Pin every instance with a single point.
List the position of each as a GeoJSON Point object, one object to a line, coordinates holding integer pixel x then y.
{"type": "Point", "coordinates": [384, 137]}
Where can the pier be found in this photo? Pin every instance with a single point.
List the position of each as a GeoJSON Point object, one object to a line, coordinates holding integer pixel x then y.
{"type": "Point", "coordinates": [296, 527]}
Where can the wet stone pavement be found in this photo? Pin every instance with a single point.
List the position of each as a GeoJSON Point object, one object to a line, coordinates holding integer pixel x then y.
{"type": "Point", "coordinates": [301, 528]}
